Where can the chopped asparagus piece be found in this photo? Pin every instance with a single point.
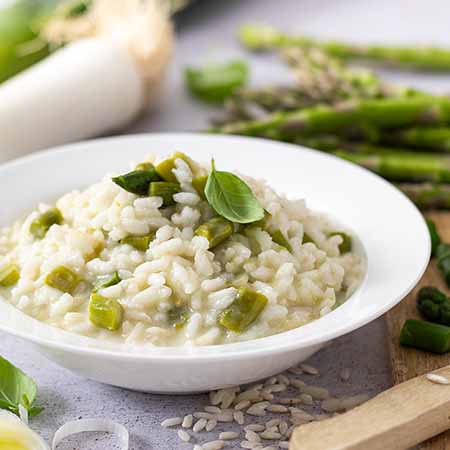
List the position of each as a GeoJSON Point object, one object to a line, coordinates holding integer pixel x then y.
{"type": "Point", "coordinates": [278, 237]}
{"type": "Point", "coordinates": [244, 310]}
{"type": "Point", "coordinates": [425, 336]}
{"type": "Point", "coordinates": [164, 189]}
{"type": "Point", "coordinates": [434, 236]}
{"type": "Point", "coordinates": [105, 312]}
{"type": "Point", "coordinates": [107, 281]}
{"type": "Point", "coordinates": [165, 168]}
{"type": "Point", "coordinates": [199, 184]}
{"type": "Point", "coordinates": [443, 261]}
{"type": "Point", "coordinates": [214, 83]}
{"type": "Point", "coordinates": [434, 305]}
{"type": "Point", "coordinates": [63, 279]}
{"type": "Point", "coordinates": [427, 195]}
{"type": "Point", "coordinates": [137, 182]}
{"type": "Point", "coordinates": [178, 316]}
{"type": "Point", "coordinates": [9, 275]}
{"type": "Point", "coordinates": [139, 242]}
{"type": "Point", "coordinates": [44, 221]}
{"type": "Point", "coordinates": [346, 245]}
{"type": "Point", "coordinates": [216, 230]}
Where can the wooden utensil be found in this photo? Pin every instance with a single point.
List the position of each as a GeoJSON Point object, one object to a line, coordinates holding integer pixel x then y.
{"type": "Point", "coordinates": [396, 419]}
{"type": "Point", "coordinates": [408, 362]}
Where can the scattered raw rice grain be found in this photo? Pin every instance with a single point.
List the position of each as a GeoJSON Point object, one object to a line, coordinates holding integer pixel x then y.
{"type": "Point", "coordinates": [275, 388]}
{"type": "Point", "coordinates": [216, 397]}
{"type": "Point", "coordinates": [354, 401]}
{"type": "Point", "coordinates": [270, 381]}
{"type": "Point", "coordinates": [315, 392]}
{"type": "Point", "coordinates": [285, 401]}
{"type": "Point", "coordinates": [277, 408]}
{"type": "Point", "coordinates": [273, 423]}
{"type": "Point", "coordinates": [438, 379]}
{"type": "Point", "coordinates": [199, 425]}
{"type": "Point", "coordinates": [306, 399]}
{"type": "Point", "coordinates": [295, 370]}
{"type": "Point", "coordinates": [256, 411]}
{"type": "Point", "coordinates": [239, 417]}
{"type": "Point", "coordinates": [213, 409]}
{"type": "Point", "coordinates": [228, 400]}
{"type": "Point", "coordinates": [255, 387]}
{"type": "Point", "coordinates": [225, 417]}
{"type": "Point", "coordinates": [252, 395]}
{"type": "Point", "coordinates": [250, 445]}
{"type": "Point", "coordinates": [283, 427]}
{"type": "Point", "coordinates": [252, 436]}
{"type": "Point", "coordinates": [267, 396]}
{"type": "Point", "coordinates": [299, 384]}
{"type": "Point", "coordinates": [290, 431]}
{"type": "Point", "coordinates": [173, 422]}
{"type": "Point", "coordinates": [203, 415]}
{"type": "Point", "coordinates": [211, 425]}
{"type": "Point", "coordinates": [188, 421]}
{"type": "Point", "coordinates": [184, 435]}
{"type": "Point", "coordinates": [283, 379]}
{"type": "Point", "coordinates": [283, 444]}
{"type": "Point", "coordinates": [270, 435]}
{"type": "Point", "coordinates": [255, 427]}
{"type": "Point", "coordinates": [213, 445]}
{"type": "Point", "coordinates": [309, 370]}
{"type": "Point", "coordinates": [242, 405]}
{"type": "Point", "coordinates": [228, 435]}
{"type": "Point", "coordinates": [345, 374]}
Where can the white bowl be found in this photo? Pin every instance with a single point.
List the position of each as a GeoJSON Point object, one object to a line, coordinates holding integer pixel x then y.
{"type": "Point", "coordinates": [391, 230]}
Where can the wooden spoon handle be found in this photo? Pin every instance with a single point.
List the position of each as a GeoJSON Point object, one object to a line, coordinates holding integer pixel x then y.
{"type": "Point", "coordinates": [396, 419]}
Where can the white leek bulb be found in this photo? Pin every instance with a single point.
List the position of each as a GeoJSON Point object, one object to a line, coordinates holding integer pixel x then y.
{"type": "Point", "coordinates": [16, 435]}
{"type": "Point", "coordinates": [108, 72]}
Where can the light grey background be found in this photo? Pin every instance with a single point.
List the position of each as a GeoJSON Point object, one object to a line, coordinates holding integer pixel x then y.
{"type": "Point", "coordinates": [207, 32]}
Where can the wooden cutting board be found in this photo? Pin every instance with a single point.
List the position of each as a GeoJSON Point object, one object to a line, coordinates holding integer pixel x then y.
{"type": "Point", "coordinates": [408, 363]}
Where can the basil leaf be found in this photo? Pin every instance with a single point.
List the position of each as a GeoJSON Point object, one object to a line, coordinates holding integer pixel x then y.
{"type": "Point", "coordinates": [232, 198]}
{"type": "Point", "coordinates": [16, 388]}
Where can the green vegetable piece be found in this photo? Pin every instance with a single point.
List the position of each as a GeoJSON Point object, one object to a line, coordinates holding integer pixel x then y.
{"type": "Point", "coordinates": [9, 275]}
{"type": "Point", "coordinates": [107, 281]}
{"type": "Point", "coordinates": [105, 312]}
{"type": "Point", "coordinates": [178, 316]}
{"type": "Point", "coordinates": [425, 336]}
{"type": "Point", "coordinates": [346, 245]}
{"type": "Point", "coordinates": [137, 182]}
{"type": "Point", "coordinates": [214, 83]}
{"type": "Point", "coordinates": [199, 184]}
{"type": "Point", "coordinates": [434, 305]}
{"type": "Point", "coordinates": [278, 237]}
{"type": "Point", "coordinates": [164, 189]}
{"type": "Point", "coordinates": [44, 221]}
{"type": "Point", "coordinates": [245, 309]}
{"type": "Point", "coordinates": [16, 389]}
{"type": "Point", "coordinates": [146, 166]}
{"type": "Point", "coordinates": [443, 261]}
{"type": "Point", "coordinates": [139, 242]}
{"type": "Point", "coordinates": [165, 168]}
{"type": "Point", "coordinates": [63, 279]}
{"type": "Point", "coordinates": [216, 230]}
{"type": "Point", "coordinates": [434, 236]}
{"type": "Point", "coordinates": [232, 198]}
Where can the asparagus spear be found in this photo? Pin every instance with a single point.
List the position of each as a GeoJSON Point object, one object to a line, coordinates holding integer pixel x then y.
{"type": "Point", "coordinates": [386, 113]}
{"type": "Point", "coordinates": [425, 336]}
{"type": "Point", "coordinates": [433, 138]}
{"type": "Point", "coordinates": [262, 37]}
{"type": "Point", "coordinates": [434, 236]}
{"type": "Point", "coordinates": [403, 166]}
{"type": "Point", "coordinates": [434, 305]}
{"type": "Point", "coordinates": [427, 195]}
{"type": "Point", "coordinates": [443, 261]}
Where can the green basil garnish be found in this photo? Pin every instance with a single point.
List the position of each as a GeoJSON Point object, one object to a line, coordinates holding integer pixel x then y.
{"type": "Point", "coordinates": [232, 198]}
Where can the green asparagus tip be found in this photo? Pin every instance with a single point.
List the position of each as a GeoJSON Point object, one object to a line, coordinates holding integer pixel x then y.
{"type": "Point", "coordinates": [258, 37]}
{"type": "Point", "coordinates": [434, 305]}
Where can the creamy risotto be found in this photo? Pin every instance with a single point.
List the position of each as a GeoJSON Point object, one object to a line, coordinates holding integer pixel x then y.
{"type": "Point", "coordinates": [176, 253]}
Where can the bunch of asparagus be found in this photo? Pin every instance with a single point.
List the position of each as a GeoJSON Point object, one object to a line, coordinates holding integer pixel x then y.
{"type": "Point", "coordinates": [398, 132]}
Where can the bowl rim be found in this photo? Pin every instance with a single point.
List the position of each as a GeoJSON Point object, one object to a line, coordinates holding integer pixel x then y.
{"type": "Point", "coordinates": [233, 351]}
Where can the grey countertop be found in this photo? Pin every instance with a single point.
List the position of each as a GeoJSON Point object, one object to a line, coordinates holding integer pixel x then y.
{"type": "Point", "coordinates": [206, 32]}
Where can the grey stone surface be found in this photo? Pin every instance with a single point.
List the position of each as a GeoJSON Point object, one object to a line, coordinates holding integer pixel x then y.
{"type": "Point", "coordinates": [206, 31]}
